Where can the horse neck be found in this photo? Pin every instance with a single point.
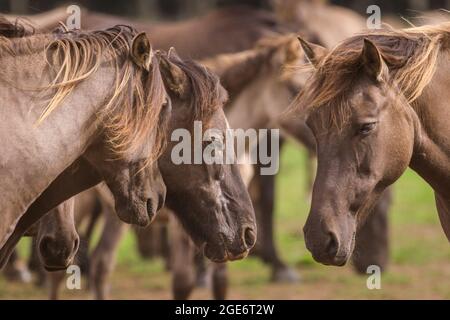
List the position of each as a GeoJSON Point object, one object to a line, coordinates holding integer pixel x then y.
{"type": "Point", "coordinates": [431, 158]}
{"type": "Point", "coordinates": [34, 154]}
{"type": "Point", "coordinates": [237, 70]}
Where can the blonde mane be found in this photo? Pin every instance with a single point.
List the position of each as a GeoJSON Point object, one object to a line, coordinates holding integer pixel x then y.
{"type": "Point", "coordinates": [132, 112]}
{"type": "Point", "coordinates": [410, 54]}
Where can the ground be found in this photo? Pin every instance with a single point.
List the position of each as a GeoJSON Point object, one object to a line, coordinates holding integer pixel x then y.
{"type": "Point", "coordinates": [419, 268]}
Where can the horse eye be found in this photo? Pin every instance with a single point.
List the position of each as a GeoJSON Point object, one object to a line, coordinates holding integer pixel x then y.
{"type": "Point", "coordinates": [366, 128]}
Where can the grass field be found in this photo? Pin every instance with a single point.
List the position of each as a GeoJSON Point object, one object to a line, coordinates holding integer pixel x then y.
{"type": "Point", "coordinates": [419, 268]}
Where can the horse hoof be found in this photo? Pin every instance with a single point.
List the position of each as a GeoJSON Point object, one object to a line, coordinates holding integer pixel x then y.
{"type": "Point", "coordinates": [202, 280]}
{"type": "Point", "coordinates": [19, 274]}
{"type": "Point", "coordinates": [285, 275]}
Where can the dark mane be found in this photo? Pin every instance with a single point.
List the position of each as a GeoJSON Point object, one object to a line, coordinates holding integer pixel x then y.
{"type": "Point", "coordinates": [207, 94]}
{"type": "Point", "coordinates": [18, 29]}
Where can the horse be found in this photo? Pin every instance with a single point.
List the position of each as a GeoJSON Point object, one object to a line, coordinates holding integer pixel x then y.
{"type": "Point", "coordinates": [331, 22]}
{"type": "Point", "coordinates": [223, 226]}
{"type": "Point", "coordinates": [377, 104]}
{"type": "Point", "coordinates": [116, 128]}
{"type": "Point", "coordinates": [240, 24]}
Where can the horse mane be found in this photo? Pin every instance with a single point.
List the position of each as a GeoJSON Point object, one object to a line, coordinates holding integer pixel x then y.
{"type": "Point", "coordinates": [410, 54]}
{"type": "Point", "coordinates": [18, 29]}
{"type": "Point", "coordinates": [132, 111]}
{"type": "Point", "coordinates": [207, 93]}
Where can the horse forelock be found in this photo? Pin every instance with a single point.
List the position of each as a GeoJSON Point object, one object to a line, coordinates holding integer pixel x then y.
{"type": "Point", "coordinates": [410, 54]}
{"type": "Point", "coordinates": [207, 94]}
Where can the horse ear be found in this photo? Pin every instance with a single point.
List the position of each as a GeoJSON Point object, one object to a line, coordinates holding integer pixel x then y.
{"type": "Point", "coordinates": [141, 51]}
{"type": "Point", "coordinates": [175, 78]}
{"type": "Point", "coordinates": [372, 60]}
{"type": "Point", "coordinates": [313, 52]}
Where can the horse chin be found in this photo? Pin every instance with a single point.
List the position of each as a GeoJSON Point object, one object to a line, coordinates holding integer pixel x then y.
{"type": "Point", "coordinates": [58, 266]}
{"type": "Point", "coordinates": [55, 268]}
{"type": "Point", "coordinates": [216, 254]}
{"type": "Point", "coordinates": [135, 215]}
{"type": "Point", "coordinates": [220, 253]}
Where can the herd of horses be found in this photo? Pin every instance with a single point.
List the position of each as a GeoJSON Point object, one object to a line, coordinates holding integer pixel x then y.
{"type": "Point", "coordinates": [89, 115]}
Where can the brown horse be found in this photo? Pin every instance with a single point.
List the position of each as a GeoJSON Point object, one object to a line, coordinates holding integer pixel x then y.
{"type": "Point", "coordinates": [333, 24]}
{"type": "Point", "coordinates": [224, 213]}
{"type": "Point", "coordinates": [116, 129]}
{"type": "Point", "coordinates": [376, 104]}
{"type": "Point", "coordinates": [194, 38]}
{"type": "Point", "coordinates": [196, 95]}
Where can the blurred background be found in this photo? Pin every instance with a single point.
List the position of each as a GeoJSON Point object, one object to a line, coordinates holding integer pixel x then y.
{"type": "Point", "coordinates": [178, 9]}
{"type": "Point", "coordinates": [419, 265]}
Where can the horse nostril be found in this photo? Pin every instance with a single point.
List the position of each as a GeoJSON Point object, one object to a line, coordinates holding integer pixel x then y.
{"type": "Point", "coordinates": [333, 245]}
{"type": "Point", "coordinates": [249, 238]}
{"type": "Point", "coordinates": [45, 245]}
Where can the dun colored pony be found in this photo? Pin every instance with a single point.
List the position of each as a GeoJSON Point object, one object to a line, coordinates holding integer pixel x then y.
{"type": "Point", "coordinates": [49, 80]}
{"type": "Point", "coordinates": [377, 103]}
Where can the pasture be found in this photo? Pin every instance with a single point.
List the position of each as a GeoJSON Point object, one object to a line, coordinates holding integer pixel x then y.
{"type": "Point", "coordinates": [419, 267]}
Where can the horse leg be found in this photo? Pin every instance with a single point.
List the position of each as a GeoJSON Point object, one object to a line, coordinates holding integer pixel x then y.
{"type": "Point", "coordinates": [443, 208]}
{"type": "Point", "coordinates": [103, 257]}
{"type": "Point", "coordinates": [372, 239]}
{"type": "Point", "coordinates": [16, 270]}
{"type": "Point", "coordinates": [35, 265]}
{"type": "Point", "coordinates": [220, 281]}
{"type": "Point", "coordinates": [269, 253]}
{"type": "Point", "coordinates": [165, 245]}
{"type": "Point", "coordinates": [182, 257]}
{"type": "Point", "coordinates": [55, 279]}
{"type": "Point", "coordinates": [201, 271]}
{"type": "Point", "coordinates": [85, 239]}
{"type": "Point", "coordinates": [147, 240]}
{"type": "Point", "coordinates": [263, 197]}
